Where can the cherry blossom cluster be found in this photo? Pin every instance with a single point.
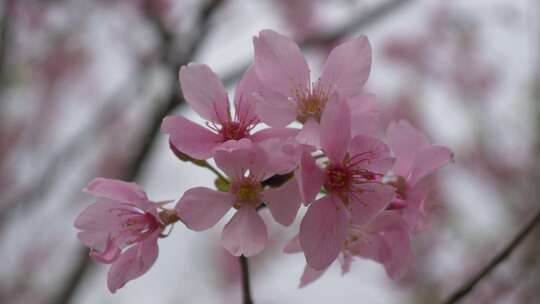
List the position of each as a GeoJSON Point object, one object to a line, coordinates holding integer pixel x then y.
{"type": "Point", "coordinates": [288, 139]}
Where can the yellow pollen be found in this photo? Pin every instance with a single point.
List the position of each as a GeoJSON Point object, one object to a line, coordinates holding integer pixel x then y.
{"type": "Point", "coordinates": [247, 193]}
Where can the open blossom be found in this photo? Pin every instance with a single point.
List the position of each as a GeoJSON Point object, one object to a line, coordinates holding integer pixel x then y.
{"type": "Point", "coordinates": [384, 239]}
{"type": "Point", "coordinates": [246, 165]}
{"type": "Point", "coordinates": [121, 229]}
{"type": "Point", "coordinates": [205, 93]}
{"type": "Point", "coordinates": [415, 159]}
{"type": "Point", "coordinates": [289, 93]}
{"type": "Point", "coordinates": [352, 181]}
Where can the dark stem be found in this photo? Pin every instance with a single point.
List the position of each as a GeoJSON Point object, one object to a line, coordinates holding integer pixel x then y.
{"type": "Point", "coordinates": [246, 287]}
{"type": "Point", "coordinates": [462, 291]}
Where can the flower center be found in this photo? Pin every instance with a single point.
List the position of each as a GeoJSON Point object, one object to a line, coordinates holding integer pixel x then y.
{"type": "Point", "coordinates": [233, 130]}
{"type": "Point", "coordinates": [247, 192]}
{"type": "Point", "coordinates": [311, 102]}
{"type": "Point", "coordinates": [338, 179]}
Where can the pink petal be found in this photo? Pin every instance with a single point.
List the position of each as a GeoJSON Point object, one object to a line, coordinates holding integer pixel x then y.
{"type": "Point", "coordinates": [293, 246]}
{"type": "Point", "coordinates": [310, 275]}
{"type": "Point", "coordinates": [414, 212]}
{"type": "Point", "coordinates": [310, 178]}
{"type": "Point", "coordinates": [133, 263]}
{"type": "Point", "coordinates": [380, 166]}
{"type": "Point", "coordinates": [285, 155]}
{"type": "Point", "coordinates": [283, 202]}
{"type": "Point", "coordinates": [310, 134]}
{"type": "Point", "coordinates": [279, 63]}
{"type": "Point", "coordinates": [190, 138]}
{"type": "Point", "coordinates": [322, 232]}
{"type": "Point", "coordinates": [107, 256]}
{"type": "Point", "coordinates": [364, 114]}
{"type": "Point", "coordinates": [405, 141]}
{"type": "Point", "coordinates": [116, 190]}
{"type": "Point", "coordinates": [348, 66]}
{"type": "Point", "coordinates": [335, 129]}
{"type": "Point", "coordinates": [244, 99]}
{"type": "Point", "coordinates": [388, 243]}
{"type": "Point", "coordinates": [204, 92]}
{"type": "Point", "coordinates": [201, 208]}
{"type": "Point", "coordinates": [400, 260]}
{"type": "Point", "coordinates": [370, 147]}
{"type": "Point", "coordinates": [428, 160]}
{"type": "Point", "coordinates": [274, 109]}
{"type": "Point", "coordinates": [282, 133]}
{"type": "Point", "coordinates": [371, 201]}
{"type": "Point", "coordinates": [97, 216]}
{"type": "Point", "coordinates": [245, 234]}
{"type": "Point", "coordinates": [235, 162]}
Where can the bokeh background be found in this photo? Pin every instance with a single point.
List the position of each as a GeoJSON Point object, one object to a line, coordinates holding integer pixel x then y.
{"type": "Point", "coordinates": [84, 85]}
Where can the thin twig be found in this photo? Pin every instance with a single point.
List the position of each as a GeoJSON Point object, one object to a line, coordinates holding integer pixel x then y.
{"type": "Point", "coordinates": [246, 286]}
{"type": "Point", "coordinates": [462, 291]}
{"type": "Point", "coordinates": [77, 274]}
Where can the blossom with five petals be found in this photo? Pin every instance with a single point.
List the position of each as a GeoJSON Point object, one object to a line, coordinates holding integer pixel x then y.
{"type": "Point", "coordinates": [290, 95]}
{"type": "Point", "coordinates": [246, 165]}
{"type": "Point", "coordinates": [121, 228]}
{"type": "Point", "coordinates": [352, 180]}
{"type": "Point", "coordinates": [205, 93]}
{"type": "Point", "coordinates": [385, 239]}
{"type": "Point", "coordinates": [416, 158]}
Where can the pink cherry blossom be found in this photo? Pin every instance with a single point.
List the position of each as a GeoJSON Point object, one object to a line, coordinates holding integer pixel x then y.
{"type": "Point", "coordinates": [290, 94]}
{"type": "Point", "coordinates": [121, 229]}
{"type": "Point", "coordinates": [385, 240]}
{"type": "Point", "coordinates": [205, 93]}
{"type": "Point", "coordinates": [416, 158]}
{"type": "Point", "coordinates": [246, 166]}
{"type": "Point", "coordinates": [352, 180]}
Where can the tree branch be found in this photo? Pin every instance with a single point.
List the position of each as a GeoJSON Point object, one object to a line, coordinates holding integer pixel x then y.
{"type": "Point", "coordinates": [246, 287]}
{"type": "Point", "coordinates": [464, 290]}
{"type": "Point", "coordinates": [75, 277]}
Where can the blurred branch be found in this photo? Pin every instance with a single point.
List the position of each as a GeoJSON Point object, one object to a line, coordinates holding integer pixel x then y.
{"type": "Point", "coordinates": [462, 291]}
{"type": "Point", "coordinates": [82, 265]}
{"type": "Point", "coordinates": [363, 20]}
{"type": "Point", "coordinates": [246, 287]}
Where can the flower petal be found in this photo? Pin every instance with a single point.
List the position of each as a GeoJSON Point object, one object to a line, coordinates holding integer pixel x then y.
{"type": "Point", "coordinates": [369, 147]}
{"type": "Point", "coordinates": [364, 114]}
{"type": "Point", "coordinates": [310, 134]}
{"type": "Point", "coordinates": [279, 63]}
{"type": "Point", "coordinates": [107, 256]}
{"type": "Point", "coordinates": [348, 66]}
{"type": "Point", "coordinates": [245, 234]}
{"type": "Point", "coordinates": [117, 190]}
{"type": "Point", "coordinates": [428, 160]}
{"type": "Point", "coordinates": [285, 155]}
{"type": "Point", "coordinates": [282, 133]}
{"type": "Point", "coordinates": [335, 129]}
{"type": "Point", "coordinates": [190, 138]}
{"type": "Point", "coordinates": [293, 246]}
{"type": "Point", "coordinates": [322, 232]}
{"type": "Point", "coordinates": [371, 201]}
{"type": "Point", "coordinates": [244, 98]}
{"type": "Point", "coordinates": [274, 109]}
{"type": "Point", "coordinates": [133, 263]}
{"type": "Point", "coordinates": [405, 141]}
{"type": "Point", "coordinates": [310, 275]}
{"type": "Point", "coordinates": [244, 156]}
{"type": "Point", "coordinates": [310, 178]}
{"type": "Point", "coordinates": [283, 202]}
{"type": "Point", "coordinates": [204, 92]}
{"type": "Point", "coordinates": [201, 208]}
